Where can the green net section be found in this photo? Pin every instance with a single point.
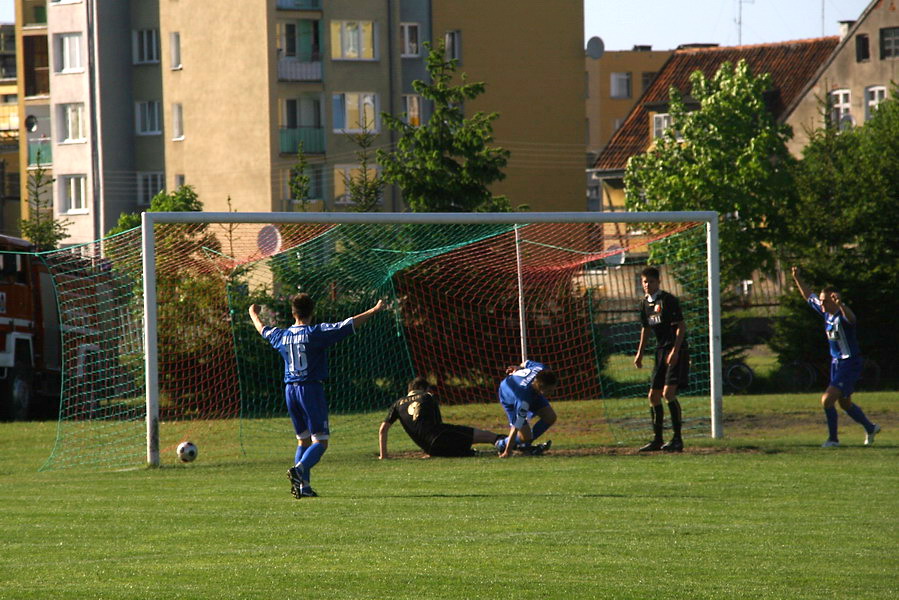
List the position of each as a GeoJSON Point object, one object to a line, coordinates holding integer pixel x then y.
{"type": "Point", "coordinates": [453, 316]}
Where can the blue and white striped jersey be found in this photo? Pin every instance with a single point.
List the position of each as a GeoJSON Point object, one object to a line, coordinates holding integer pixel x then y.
{"type": "Point", "coordinates": [304, 348]}
{"type": "Point", "coordinates": [840, 332]}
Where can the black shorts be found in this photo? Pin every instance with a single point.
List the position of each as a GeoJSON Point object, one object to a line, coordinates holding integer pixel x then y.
{"type": "Point", "coordinates": [679, 375]}
{"type": "Point", "coordinates": [453, 440]}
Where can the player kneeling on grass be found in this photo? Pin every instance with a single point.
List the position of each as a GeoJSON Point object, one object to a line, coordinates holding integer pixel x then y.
{"type": "Point", "coordinates": [304, 348]}
{"type": "Point", "coordinates": [523, 395]}
{"type": "Point", "coordinates": [846, 359]}
{"type": "Point", "coordinates": [419, 414]}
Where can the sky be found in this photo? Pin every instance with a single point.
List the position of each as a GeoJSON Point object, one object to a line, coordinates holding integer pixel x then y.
{"type": "Point", "coordinates": [665, 24]}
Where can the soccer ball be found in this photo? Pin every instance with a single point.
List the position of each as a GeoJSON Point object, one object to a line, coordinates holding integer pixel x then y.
{"type": "Point", "coordinates": [187, 451]}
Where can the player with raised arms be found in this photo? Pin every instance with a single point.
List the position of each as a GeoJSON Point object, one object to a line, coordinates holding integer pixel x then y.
{"type": "Point", "coordinates": [846, 359]}
{"type": "Point", "coordinates": [419, 414]}
{"type": "Point", "coordinates": [304, 348]}
{"type": "Point", "coordinates": [523, 395]}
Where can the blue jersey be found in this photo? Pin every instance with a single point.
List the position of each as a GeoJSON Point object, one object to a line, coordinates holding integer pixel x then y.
{"type": "Point", "coordinates": [518, 396]}
{"type": "Point", "coordinates": [840, 332]}
{"type": "Point", "coordinates": [304, 348]}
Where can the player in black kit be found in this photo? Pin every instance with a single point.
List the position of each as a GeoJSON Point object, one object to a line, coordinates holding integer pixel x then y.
{"type": "Point", "coordinates": [661, 312]}
{"type": "Point", "coordinates": [419, 414]}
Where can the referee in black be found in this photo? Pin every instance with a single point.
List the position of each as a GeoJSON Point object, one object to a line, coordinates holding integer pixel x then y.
{"type": "Point", "coordinates": [661, 312]}
{"type": "Point", "coordinates": [419, 414]}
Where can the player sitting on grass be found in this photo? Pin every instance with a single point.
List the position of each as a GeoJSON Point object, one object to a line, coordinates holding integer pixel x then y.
{"type": "Point", "coordinates": [846, 359]}
{"type": "Point", "coordinates": [304, 348]}
{"type": "Point", "coordinates": [419, 414]}
{"type": "Point", "coordinates": [523, 394]}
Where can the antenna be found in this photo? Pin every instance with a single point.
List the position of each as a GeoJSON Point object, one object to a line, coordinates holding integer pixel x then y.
{"type": "Point", "coordinates": [740, 4]}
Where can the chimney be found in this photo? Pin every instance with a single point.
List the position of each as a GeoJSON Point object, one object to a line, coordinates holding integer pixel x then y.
{"type": "Point", "coordinates": [845, 26]}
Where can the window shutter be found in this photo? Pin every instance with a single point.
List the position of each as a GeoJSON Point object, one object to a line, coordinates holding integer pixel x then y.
{"type": "Point", "coordinates": [338, 108]}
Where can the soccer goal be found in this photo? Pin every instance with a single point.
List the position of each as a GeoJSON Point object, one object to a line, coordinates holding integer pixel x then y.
{"type": "Point", "coordinates": [173, 355]}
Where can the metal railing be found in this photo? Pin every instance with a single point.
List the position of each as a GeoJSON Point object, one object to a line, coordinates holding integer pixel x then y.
{"type": "Point", "coordinates": [292, 69]}
{"type": "Point", "coordinates": [313, 139]}
{"type": "Point", "coordinates": [299, 4]}
{"type": "Point", "coordinates": [40, 150]}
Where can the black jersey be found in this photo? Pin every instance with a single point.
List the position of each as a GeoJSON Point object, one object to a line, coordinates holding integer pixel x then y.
{"type": "Point", "coordinates": [419, 414]}
{"type": "Point", "coordinates": [660, 314]}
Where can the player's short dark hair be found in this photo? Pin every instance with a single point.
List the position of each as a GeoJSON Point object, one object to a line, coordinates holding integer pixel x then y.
{"type": "Point", "coordinates": [650, 272]}
{"type": "Point", "coordinates": [302, 305]}
{"type": "Point", "coordinates": [546, 377]}
{"type": "Point", "coordinates": [419, 384]}
{"type": "Point", "coordinates": [829, 289]}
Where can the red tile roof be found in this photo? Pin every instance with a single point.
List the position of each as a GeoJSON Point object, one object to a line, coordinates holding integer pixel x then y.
{"type": "Point", "coordinates": [790, 64]}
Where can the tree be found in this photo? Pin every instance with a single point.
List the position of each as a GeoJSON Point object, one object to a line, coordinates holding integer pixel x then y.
{"type": "Point", "coordinates": [844, 233]}
{"type": "Point", "coordinates": [365, 189]}
{"type": "Point", "coordinates": [300, 182]}
{"type": "Point", "coordinates": [184, 199]}
{"type": "Point", "coordinates": [729, 156]}
{"type": "Point", "coordinates": [446, 164]}
{"type": "Point", "coordinates": [44, 231]}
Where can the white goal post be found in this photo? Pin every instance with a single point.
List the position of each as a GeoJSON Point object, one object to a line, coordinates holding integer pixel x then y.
{"type": "Point", "coordinates": [149, 219]}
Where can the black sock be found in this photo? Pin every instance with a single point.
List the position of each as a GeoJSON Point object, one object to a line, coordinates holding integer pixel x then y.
{"type": "Point", "coordinates": [674, 409]}
{"type": "Point", "coordinates": [658, 419]}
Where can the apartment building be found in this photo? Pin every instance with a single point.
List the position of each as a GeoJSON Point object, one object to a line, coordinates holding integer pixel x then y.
{"type": "Point", "coordinates": [9, 132]}
{"type": "Point", "coordinates": [128, 97]}
{"type": "Point", "coordinates": [615, 80]}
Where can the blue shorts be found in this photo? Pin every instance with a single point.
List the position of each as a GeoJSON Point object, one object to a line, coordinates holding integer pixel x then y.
{"type": "Point", "coordinates": [513, 407]}
{"type": "Point", "coordinates": [308, 409]}
{"type": "Point", "coordinates": [844, 374]}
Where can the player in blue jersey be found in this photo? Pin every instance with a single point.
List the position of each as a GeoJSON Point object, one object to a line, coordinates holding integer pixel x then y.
{"type": "Point", "coordinates": [846, 359]}
{"type": "Point", "coordinates": [523, 395]}
{"type": "Point", "coordinates": [304, 348]}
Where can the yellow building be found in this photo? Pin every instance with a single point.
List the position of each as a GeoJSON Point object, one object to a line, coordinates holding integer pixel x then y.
{"type": "Point", "coordinates": [530, 56]}
{"type": "Point", "coordinates": [614, 82]}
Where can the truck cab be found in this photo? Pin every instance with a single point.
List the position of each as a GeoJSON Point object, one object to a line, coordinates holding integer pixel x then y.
{"type": "Point", "coordinates": [29, 334]}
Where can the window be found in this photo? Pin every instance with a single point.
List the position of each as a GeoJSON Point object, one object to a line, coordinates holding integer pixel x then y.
{"type": "Point", "coordinates": [341, 174]}
{"type": "Point", "coordinates": [840, 115]}
{"type": "Point", "coordinates": [68, 53]}
{"type": "Point", "coordinates": [618, 123]}
{"type": "Point", "coordinates": [862, 48]}
{"type": "Point", "coordinates": [621, 85]}
{"type": "Point", "coordinates": [355, 112]}
{"type": "Point", "coordinates": [290, 39]}
{"type": "Point", "coordinates": [147, 116]}
{"type": "Point", "coordinates": [315, 184]}
{"type": "Point", "coordinates": [304, 111]}
{"type": "Point", "coordinates": [148, 185]}
{"type": "Point", "coordinates": [180, 180]}
{"type": "Point", "coordinates": [145, 46]}
{"type": "Point", "coordinates": [71, 118]}
{"type": "Point", "coordinates": [874, 95]}
{"type": "Point", "coordinates": [175, 49]}
{"type": "Point", "coordinates": [889, 42]}
{"type": "Point", "coordinates": [409, 34]}
{"type": "Point", "coordinates": [353, 40]}
{"type": "Point", "coordinates": [73, 192]}
{"type": "Point", "coordinates": [412, 109]}
{"type": "Point", "coordinates": [660, 122]}
{"type": "Point", "coordinates": [646, 79]}
{"type": "Point", "coordinates": [453, 41]}
{"type": "Point", "coordinates": [177, 121]}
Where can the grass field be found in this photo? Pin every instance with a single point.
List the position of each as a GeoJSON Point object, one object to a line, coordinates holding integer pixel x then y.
{"type": "Point", "coordinates": [763, 514]}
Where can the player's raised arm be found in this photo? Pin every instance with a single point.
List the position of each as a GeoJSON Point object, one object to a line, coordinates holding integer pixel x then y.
{"type": "Point", "coordinates": [847, 312]}
{"type": "Point", "coordinates": [361, 318]}
{"type": "Point", "coordinates": [800, 285]}
{"type": "Point", "coordinates": [254, 316]}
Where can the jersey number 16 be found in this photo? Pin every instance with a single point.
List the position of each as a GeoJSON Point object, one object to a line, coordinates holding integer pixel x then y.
{"type": "Point", "coordinates": [298, 362]}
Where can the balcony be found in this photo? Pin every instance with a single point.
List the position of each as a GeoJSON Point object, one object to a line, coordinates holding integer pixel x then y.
{"type": "Point", "coordinates": [35, 13]}
{"type": "Point", "coordinates": [299, 4]}
{"type": "Point", "coordinates": [292, 69]}
{"type": "Point", "coordinates": [39, 149]}
{"type": "Point", "coordinates": [313, 139]}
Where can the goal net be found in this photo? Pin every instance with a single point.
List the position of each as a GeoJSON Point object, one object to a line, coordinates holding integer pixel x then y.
{"type": "Point", "coordinates": [467, 296]}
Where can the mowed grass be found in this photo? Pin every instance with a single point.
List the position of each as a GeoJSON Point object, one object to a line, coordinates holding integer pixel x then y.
{"type": "Point", "coordinates": [765, 513]}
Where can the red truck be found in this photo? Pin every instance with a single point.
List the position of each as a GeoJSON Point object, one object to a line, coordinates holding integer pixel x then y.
{"type": "Point", "coordinates": [30, 348]}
